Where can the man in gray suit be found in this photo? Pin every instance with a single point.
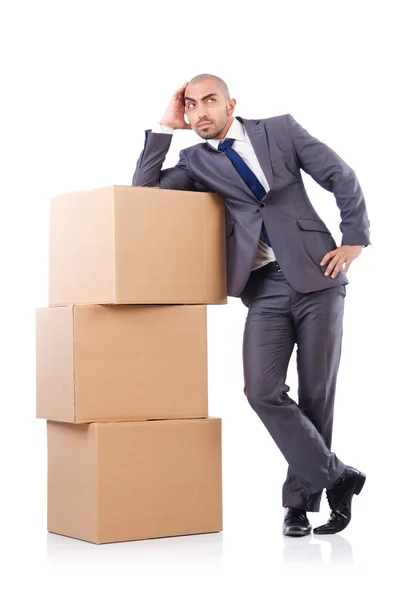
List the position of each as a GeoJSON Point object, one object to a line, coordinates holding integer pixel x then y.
{"type": "Point", "coordinates": [284, 264]}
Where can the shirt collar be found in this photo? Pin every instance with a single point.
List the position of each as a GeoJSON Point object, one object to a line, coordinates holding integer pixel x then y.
{"type": "Point", "coordinates": [235, 131]}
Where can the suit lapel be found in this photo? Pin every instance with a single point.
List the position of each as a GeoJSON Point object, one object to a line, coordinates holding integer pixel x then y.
{"type": "Point", "coordinates": [257, 134]}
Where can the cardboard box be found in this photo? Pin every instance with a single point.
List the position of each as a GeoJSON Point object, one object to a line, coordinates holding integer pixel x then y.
{"type": "Point", "coordinates": [137, 245]}
{"type": "Point", "coordinates": [113, 482]}
{"type": "Point", "coordinates": [109, 363]}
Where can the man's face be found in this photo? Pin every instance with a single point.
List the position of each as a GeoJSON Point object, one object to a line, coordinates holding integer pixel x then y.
{"type": "Point", "coordinates": [208, 112]}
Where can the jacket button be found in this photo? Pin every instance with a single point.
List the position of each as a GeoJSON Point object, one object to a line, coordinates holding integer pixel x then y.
{"type": "Point", "coordinates": [261, 204]}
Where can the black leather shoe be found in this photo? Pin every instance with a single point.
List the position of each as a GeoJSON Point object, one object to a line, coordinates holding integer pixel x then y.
{"type": "Point", "coordinates": [340, 497]}
{"type": "Point", "coordinates": [296, 523]}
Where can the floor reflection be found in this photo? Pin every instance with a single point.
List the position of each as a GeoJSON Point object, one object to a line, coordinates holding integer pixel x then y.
{"type": "Point", "coordinates": [187, 548]}
{"type": "Point", "coordinates": [318, 550]}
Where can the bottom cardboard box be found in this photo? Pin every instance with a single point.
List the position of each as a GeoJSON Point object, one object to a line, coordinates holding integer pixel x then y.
{"type": "Point", "coordinates": [113, 482]}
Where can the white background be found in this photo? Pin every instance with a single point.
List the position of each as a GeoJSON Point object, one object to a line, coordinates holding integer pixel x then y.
{"type": "Point", "coordinates": [80, 82]}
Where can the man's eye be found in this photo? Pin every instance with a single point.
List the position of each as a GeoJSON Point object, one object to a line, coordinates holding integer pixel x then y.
{"type": "Point", "coordinates": [189, 104]}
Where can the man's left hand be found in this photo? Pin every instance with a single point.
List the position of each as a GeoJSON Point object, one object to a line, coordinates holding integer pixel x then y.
{"type": "Point", "coordinates": [344, 255]}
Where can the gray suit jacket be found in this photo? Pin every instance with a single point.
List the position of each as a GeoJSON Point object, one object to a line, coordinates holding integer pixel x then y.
{"type": "Point", "coordinates": [299, 237]}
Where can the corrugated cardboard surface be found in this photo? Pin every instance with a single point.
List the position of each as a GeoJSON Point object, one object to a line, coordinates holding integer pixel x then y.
{"type": "Point", "coordinates": [110, 482]}
{"type": "Point", "coordinates": [125, 362]}
{"type": "Point", "coordinates": [137, 245]}
{"type": "Point", "coordinates": [55, 394]}
{"type": "Point", "coordinates": [81, 248]}
{"type": "Point", "coordinates": [72, 482]}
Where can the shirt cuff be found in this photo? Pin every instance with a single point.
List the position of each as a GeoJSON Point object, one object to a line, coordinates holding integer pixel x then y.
{"type": "Point", "coordinates": [159, 128]}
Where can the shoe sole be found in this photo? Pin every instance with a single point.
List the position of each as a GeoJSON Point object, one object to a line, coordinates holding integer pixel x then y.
{"type": "Point", "coordinates": [293, 533]}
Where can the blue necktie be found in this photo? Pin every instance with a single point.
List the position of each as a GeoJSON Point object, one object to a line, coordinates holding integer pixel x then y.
{"type": "Point", "coordinates": [249, 177]}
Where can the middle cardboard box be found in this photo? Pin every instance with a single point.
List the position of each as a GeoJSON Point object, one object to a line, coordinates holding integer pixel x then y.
{"type": "Point", "coordinates": [121, 362]}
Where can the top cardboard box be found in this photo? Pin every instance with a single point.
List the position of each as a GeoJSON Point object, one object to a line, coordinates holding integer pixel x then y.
{"type": "Point", "coordinates": [137, 245]}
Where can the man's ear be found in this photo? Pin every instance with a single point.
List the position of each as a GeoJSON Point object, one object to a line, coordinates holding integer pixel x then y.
{"type": "Point", "coordinates": [232, 105]}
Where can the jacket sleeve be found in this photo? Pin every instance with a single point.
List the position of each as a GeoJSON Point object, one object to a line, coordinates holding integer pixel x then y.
{"type": "Point", "coordinates": [148, 172]}
{"type": "Point", "coordinates": [330, 171]}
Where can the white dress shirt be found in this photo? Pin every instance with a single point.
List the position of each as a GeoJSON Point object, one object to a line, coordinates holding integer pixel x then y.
{"type": "Point", "coordinates": [242, 145]}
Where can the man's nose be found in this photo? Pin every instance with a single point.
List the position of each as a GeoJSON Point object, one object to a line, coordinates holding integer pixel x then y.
{"type": "Point", "coordinates": [202, 112]}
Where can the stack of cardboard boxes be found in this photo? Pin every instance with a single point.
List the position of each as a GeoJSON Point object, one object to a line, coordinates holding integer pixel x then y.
{"type": "Point", "coordinates": [121, 355]}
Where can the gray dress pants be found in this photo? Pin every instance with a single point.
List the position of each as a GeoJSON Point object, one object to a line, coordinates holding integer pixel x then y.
{"type": "Point", "coordinates": [278, 318]}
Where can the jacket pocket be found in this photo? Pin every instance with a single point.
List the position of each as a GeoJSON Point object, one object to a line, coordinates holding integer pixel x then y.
{"type": "Point", "coordinates": [313, 225]}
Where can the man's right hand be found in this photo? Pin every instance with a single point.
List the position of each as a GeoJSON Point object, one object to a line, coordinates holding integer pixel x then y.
{"type": "Point", "coordinates": [174, 115]}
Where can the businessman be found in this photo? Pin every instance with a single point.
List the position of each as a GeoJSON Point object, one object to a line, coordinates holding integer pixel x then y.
{"type": "Point", "coordinates": [284, 265]}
